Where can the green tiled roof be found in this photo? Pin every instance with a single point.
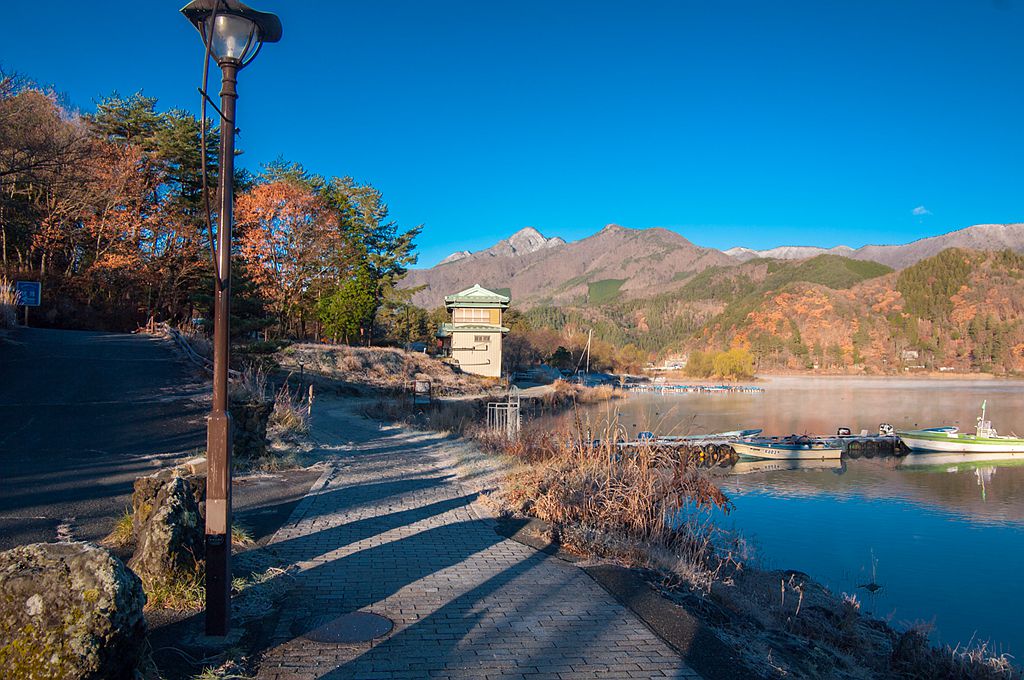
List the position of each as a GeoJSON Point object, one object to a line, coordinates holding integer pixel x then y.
{"type": "Point", "coordinates": [477, 296]}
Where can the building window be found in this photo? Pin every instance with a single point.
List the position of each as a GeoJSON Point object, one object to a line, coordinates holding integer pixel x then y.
{"type": "Point", "coordinates": [481, 339]}
{"type": "Point", "coordinates": [471, 315]}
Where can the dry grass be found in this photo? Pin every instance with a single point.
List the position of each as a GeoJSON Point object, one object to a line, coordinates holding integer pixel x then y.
{"type": "Point", "coordinates": [913, 658]}
{"type": "Point", "coordinates": [292, 411]}
{"type": "Point", "coordinates": [200, 343]}
{"type": "Point", "coordinates": [380, 367]}
{"type": "Point", "coordinates": [565, 394]}
{"type": "Point", "coordinates": [9, 299]}
{"type": "Point", "coordinates": [644, 507]}
{"type": "Point", "coordinates": [185, 591]}
{"type": "Point", "coordinates": [121, 536]}
{"type": "Point", "coordinates": [241, 537]}
{"type": "Point", "coordinates": [250, 386]}
{"type": "Point", "coordinates": [453, 417]}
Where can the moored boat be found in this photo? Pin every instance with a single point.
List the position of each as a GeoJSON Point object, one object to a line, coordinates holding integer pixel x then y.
{"type": "Point", "coordinates": [949, 440]}
{"type": "Point", "coordinates": [789, 448]}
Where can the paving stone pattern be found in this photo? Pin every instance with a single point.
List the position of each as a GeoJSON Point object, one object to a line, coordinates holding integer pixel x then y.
{"type": "Point", "coordinates": [391, 530]}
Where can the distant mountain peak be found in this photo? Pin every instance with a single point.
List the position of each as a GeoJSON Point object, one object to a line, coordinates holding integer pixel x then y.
{"type": "Point", "coordinates": [525, 241]}
{"type": "Point", "coordinates": [528, 240]}
{"type": "Point", "coordinates": [455, 256]}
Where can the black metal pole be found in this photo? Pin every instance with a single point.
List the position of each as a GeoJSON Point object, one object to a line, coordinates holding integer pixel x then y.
{"type": "Point", "coordinates": [218, 441]}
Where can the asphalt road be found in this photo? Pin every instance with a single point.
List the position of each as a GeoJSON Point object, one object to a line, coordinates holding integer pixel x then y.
{"type": "Point", "coordinates": [83, 414]}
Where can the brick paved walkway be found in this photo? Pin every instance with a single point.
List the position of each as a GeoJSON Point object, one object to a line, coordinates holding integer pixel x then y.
{"type": "Point", "coordinates": [392, 531]}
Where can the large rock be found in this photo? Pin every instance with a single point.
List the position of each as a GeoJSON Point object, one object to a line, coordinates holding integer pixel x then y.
{"type": "Point", "coordinates": [147, 489]}
{"type": "Point", "coordinates": [69, 611]}
{"type": "Point", "coordinates": [170, 542]}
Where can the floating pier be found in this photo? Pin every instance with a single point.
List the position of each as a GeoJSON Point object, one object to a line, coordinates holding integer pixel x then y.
{"type": "Point", "coordinates": [661, 388]}
{"type": "Point", "coordinates": [717, 449]}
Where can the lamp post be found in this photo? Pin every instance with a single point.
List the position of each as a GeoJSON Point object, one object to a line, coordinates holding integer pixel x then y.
{"type": "Point", "coordinates": [233, 34]}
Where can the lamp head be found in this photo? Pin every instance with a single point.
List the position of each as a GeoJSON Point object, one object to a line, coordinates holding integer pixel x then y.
{"type": "Point", "coordinates": [232, 31]}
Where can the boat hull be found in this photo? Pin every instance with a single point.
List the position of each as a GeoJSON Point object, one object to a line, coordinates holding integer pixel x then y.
{"type": "Point", "coordinates": [777, 452]}
{"type": "Point", "coordinates": [959, 443]}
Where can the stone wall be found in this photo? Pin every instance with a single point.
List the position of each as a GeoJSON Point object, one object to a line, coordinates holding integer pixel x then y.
{"type": "Point", "coordinates": [249, 429]}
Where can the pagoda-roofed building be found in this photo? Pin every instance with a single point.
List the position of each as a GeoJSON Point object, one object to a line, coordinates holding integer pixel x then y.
{"type": "Point", "coordinates": [472, 336]}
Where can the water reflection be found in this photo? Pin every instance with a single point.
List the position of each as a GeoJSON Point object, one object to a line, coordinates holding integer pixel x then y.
{"type": "Point", "coordinates": [946, 539]}
{"type": "Point", "coordinates": [746, 467]}
{"type": "Point", "coordinates": [943, 534]}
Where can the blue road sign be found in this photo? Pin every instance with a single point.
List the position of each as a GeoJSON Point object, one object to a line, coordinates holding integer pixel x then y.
{"type": "Point", "coordinates": [31, 292]}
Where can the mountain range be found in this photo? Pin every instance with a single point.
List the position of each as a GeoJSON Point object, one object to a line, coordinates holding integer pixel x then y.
{"type": "Point", "coordinates": [622, 263]}
{"type": "Point", "coordinates": [953, 302]}
{"type": "Point", "coordinates": [977, 237]}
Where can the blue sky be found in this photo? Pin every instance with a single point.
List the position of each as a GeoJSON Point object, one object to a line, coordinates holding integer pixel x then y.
{"type": "Point", "coordinates": [733, 123]}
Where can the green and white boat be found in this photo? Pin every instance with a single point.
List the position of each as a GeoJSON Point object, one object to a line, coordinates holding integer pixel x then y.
{"type": "Point", "coordinates": [948, 440]}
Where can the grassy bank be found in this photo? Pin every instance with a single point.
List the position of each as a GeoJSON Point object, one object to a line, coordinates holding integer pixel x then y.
{"type": "Point", "coordinates": [380, 368]}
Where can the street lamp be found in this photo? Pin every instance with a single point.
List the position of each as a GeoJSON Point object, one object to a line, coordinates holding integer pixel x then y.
{"type": "Point", "coordinates": [233, 34]}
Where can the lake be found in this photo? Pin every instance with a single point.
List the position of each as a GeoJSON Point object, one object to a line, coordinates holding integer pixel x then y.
{"type": "Point", "coordinates": [944, 537]}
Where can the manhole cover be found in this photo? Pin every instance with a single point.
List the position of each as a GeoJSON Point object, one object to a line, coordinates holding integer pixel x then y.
{"type": "Point", "coordinates": [354, 627]}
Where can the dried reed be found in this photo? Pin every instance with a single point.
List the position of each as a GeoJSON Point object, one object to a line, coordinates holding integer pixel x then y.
{"type": "Point", "coordinates": [9, 300]}
{"type": "Point", "coordinates": [645, 506]}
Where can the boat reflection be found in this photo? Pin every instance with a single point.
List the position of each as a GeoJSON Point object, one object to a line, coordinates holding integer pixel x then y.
{"type": "Point", "coordinates": [953, 462]}
{"type": "Point", "coordinates": [746, 467]}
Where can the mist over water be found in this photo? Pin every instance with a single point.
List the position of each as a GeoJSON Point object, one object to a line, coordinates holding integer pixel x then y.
{"type": "Point", "coordinates": [944, 538]}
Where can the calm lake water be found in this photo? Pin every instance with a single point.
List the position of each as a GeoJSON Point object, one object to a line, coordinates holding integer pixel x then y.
{"type": "Point", "coordinates": [944, 538]}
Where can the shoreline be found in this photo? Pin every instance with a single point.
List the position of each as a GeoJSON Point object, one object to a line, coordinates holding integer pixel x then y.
{"type": "Point", "coordinates": [872, 377]}
{"type": "Point", "coordinates": [898, 377]}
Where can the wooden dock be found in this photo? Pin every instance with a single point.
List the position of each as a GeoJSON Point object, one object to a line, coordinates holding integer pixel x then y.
{"type": "Point", "coordinates": [664, 388]}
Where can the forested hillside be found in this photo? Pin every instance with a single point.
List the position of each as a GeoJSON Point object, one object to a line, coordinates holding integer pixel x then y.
{"type": "Point", "coordinates": [958, 311]}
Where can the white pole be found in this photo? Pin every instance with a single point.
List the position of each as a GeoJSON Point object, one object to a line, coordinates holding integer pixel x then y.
{"type": "Point", "coordinates": [590, 336]}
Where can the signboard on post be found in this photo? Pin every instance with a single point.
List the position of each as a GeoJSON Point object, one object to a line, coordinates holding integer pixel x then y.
{"type": "Point", "coordinates": [421, 392]}
{"type": "Point", "coordinates": [29, 292]}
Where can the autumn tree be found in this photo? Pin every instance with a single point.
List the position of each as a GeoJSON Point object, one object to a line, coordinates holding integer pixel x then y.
{"type": "Point", "coordinates": [294, 248]}
{"type": "Point", "coordinates": [734, 364]}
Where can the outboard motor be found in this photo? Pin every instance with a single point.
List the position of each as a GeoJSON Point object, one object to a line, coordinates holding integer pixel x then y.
{"type": "Point", "coordinates": [886, 430]}
{"type": "Point", "coordinates": [843, 432]}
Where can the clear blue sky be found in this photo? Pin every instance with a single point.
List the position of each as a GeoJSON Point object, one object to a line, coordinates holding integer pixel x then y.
{"type": "Point", "coordinates": [735, 123]}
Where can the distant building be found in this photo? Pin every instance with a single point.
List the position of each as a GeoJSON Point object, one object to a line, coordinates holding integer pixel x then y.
{"type": "Point", "coordinates": [472, 336]}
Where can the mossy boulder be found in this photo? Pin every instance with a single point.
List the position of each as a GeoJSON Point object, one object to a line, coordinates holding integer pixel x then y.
{"type": "Point", "coordinates": [70, 611]}
{"type": "Point", "coordinates": [148, 488]}
{"type": "Point", "coordinates": [170, 542]}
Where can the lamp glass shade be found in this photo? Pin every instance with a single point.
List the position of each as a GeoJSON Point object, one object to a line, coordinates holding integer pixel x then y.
{"type": "Point", "coordinates": [230, 36]}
